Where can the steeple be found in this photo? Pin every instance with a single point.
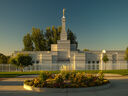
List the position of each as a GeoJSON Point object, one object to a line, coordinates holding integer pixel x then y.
{"type": "Point", "coordinates": [63, 35]}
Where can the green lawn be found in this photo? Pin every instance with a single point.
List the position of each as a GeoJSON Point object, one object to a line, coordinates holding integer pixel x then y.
{"type": "Point", "coordinates": [121, 72]}
{"type": "Point", "coordinates": [14, 74]}
{"type": "Point", "coordinates": [8, 75]}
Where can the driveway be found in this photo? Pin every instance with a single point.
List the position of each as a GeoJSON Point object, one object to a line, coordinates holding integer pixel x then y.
{"type": "Point", "coordinates": [13, 87]}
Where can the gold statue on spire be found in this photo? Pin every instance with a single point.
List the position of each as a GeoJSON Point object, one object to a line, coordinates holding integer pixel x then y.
{"type": "Point", "coordinates": [63, 11]}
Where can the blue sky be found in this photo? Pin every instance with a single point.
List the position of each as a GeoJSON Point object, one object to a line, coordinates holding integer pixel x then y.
{"type": "Point", "coordinates": [98, 24]}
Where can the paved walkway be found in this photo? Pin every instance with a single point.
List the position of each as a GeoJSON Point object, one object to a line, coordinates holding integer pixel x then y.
{"type": "Point", "coordinates": [14, 87]}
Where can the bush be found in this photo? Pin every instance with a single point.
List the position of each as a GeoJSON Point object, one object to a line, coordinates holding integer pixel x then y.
{"type": "Point", "coordinates": [45, 75]}
{"type": "Point", "coordinates": [101, 75]}
{"type": "Point", "coordinates": [71, 79]}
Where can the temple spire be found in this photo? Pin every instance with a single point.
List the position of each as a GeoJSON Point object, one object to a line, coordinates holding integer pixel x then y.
{"type": "Point", "coordinates": [63, 35]}
{"type": "Point", "coordinates": [63, 12]}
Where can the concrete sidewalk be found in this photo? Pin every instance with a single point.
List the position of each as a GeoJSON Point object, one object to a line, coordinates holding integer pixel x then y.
{"type": "Point", "coordinates": [14, 87]}
{"type": "Point", "coordinates": [119, 88]}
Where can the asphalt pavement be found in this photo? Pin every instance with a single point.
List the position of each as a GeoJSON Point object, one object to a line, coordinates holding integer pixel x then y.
{"type": "Point", "coordinates": [14, 87]}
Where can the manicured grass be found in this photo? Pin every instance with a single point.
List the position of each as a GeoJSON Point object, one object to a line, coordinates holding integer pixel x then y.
{"type": "Point", "coordinates": [121, 72]}
{"type": "Point", "coordinates": [26, 73]}
{"type": "Point", "coordinates": [8, 75]}
{"type": "Point", "coordinates": [14, 74]}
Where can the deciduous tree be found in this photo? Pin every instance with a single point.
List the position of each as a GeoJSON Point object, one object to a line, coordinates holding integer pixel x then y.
{"type": "Point", "coordinates": [38, 39]}
{"type": "Point", "coordinates": [28, 44]}
{"type": "Point", "coordinates": [126, 56]}
{"type": "Point", "coordinates": [42, 41]}
{"type": "Point", "coordinates": [3, 59]}
{"type": "Point", "coordinates": [86, 49]}
{"type": "Point", "coordinates": [21, 61]}
{"type": "Point", "coordinates": [105, 59]}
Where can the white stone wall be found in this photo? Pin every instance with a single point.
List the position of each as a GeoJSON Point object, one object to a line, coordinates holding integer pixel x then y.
{"type": "Point", "coordinates": [63, 49]}
{"type": "Point", "coordinates": [77, 60]}
{"type": "Point", "coordinates": [53, 47]}
{"type": "Point", "coordinates": [80, 61]}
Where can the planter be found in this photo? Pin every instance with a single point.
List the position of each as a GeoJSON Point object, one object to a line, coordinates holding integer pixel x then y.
{"type": "Point", "coordinates": [61, 90]}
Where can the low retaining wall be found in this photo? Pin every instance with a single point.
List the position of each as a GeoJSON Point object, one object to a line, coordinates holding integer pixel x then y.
{"type": "Point", "coordinates": [61, 90]}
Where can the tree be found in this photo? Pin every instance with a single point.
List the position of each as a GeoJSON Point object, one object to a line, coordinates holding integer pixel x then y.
{"type": "Point", "coordinates": [105, 59]}
{"type": "Point", "coordinates": [3, 59]}
{"type": "Point", "coordinates": [126, 56]}
{"type": "Point", "coordinates": [38, 39]}
{"type": "Point", "coordinates": [52, 35]}
{"type": "Point", "coordinates": [58, 32]}
{"type": "Point", "coordinates": [72, 37]}
{"type": "Point", "coordinates": [8, 58]}
{"type": "Point", "coordinates": [28, 44]}
{"type": "Point", "coordinates": [21, 61]}
{"type": "Point", "coordinates": [42, 41]}
{"type": "Point", "coordinates": [48, 38]}
{"type": "Point", "coordinates": [85, 49]}
{"type": "Point", "coordinates": [54, 31]}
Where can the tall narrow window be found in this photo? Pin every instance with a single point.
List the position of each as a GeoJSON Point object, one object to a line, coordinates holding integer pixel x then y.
{"type": "Point", "coordinates": [114, 58]}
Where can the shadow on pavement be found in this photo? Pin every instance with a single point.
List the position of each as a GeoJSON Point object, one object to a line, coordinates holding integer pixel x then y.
{"type": "Point", "coordinates": [10, 83]}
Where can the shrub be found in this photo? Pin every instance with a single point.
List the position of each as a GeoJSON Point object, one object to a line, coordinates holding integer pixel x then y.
{"type": "Point", "coordinates": [101, 75]}
{"type": "Point", "coordinates": [45, 75]}
{"type": "Point", "coordinates": [65, 75]}
{"type": "Point", "coordinates": [71, 79]}
{"type": "Point", "coordinates": [105, 81]}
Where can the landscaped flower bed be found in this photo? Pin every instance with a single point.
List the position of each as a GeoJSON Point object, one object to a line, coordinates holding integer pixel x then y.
{"type": "Point", "coordinates": [67, 79]}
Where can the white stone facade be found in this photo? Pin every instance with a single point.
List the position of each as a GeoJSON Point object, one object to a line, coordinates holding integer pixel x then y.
{"type": "Point", "coordinates": [65, 56]}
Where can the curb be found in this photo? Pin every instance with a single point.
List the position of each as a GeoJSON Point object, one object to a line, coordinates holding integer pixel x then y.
{"type": "Point", "coordinates": [62, 90]}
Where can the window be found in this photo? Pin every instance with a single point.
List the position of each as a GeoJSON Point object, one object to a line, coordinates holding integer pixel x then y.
{"type": "Point", "coordinates": [89, 67]}
{"type": "Point", "coordinates": [93, 66]}
{"type": "Point", "coordinates": [97, 62]}
{"type": "Point", "coordinates": [114, 58]}
{"type": "Point", "coordinates": [33, 62]}
{"type": "Point", "coordinates": [93, 61]}
{"type": "Point", "coordinates": [89, 62]}
{"type": "Point", "coordinates": [37, 61]}
{"type": "Point", "coordinates": [97, 67]}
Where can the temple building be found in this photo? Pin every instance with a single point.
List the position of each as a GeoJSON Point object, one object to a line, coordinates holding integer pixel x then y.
{"type": "Point", "coordinates": [65, 56]}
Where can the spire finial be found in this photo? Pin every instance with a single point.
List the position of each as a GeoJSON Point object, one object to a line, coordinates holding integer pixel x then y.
{"type": "Point", "coordinates": [63, 11]}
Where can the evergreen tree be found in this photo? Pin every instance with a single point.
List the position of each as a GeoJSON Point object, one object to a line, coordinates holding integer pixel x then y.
{"type": "Point", "coordinates": [28, 44]}
{"type": "Point", "coordinates": [71, 37]}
